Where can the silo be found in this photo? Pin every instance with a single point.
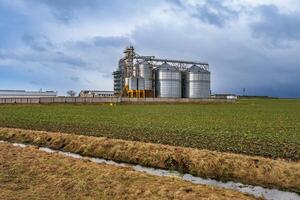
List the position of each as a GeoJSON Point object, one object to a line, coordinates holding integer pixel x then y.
{"type": "Point", "coordinates": [168, 81]}
{"type": "Point", "coordinates": [145, 70]}
{"type": "Point", "coordinates": [136, 83]}
{"type": "Point", "coordinates": [133, 83]}
{"type": "Point", "coordinates": [141, 83]}
{"type": "Point", "coordinates": [135, 70]}
{"type": "Point", "coordinates": [197, 83]}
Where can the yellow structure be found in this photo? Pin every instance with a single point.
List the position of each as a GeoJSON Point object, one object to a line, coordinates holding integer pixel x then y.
{"type": "Point", "coordinates": [137, 93]}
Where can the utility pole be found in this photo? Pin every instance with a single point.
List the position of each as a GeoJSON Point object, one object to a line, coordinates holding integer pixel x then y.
{"type": "Point", "coordinates": [244, 91]}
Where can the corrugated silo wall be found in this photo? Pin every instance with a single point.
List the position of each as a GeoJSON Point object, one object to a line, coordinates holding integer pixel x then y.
{"type": "Point", "coordinates": [183, 84]}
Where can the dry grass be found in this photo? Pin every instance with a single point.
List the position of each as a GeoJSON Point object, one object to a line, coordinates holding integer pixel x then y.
{"type": "Point", "coordinates": [223, 166]}
{"type": "Point", "coordinates": [31, 174]}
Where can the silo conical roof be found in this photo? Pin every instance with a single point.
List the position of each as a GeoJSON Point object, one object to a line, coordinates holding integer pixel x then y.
{"type": "Point", "coordinates": [166, 66]}
{"type": "Point", "coordinates": [196, 68]}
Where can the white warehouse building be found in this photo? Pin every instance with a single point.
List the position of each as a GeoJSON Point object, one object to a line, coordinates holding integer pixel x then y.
{"type": "Point", "coordinates": [26, 94]}
{"type": "Point", "coordinates": [96, 93]}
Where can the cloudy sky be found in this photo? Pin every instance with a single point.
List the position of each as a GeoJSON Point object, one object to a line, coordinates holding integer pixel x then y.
{"type": "Point", "coordinates": [75, 44]}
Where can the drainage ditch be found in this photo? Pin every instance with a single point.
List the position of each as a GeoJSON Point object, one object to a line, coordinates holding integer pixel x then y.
{"type": "Point", "coordinates": [257, 191]}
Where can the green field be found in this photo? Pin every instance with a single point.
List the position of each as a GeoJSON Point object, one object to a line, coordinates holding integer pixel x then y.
{"type": "Point", "coordinates": [258, 127]}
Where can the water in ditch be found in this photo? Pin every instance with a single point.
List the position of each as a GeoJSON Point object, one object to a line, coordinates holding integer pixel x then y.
{"type": "Point", "coordinates": [257, 191]}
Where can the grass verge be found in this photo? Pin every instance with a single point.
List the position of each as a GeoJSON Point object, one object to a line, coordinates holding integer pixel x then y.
{"type": "Point", "coordinates": [222, 166]}
{"type": "Point", "coordinates": [31, 174]}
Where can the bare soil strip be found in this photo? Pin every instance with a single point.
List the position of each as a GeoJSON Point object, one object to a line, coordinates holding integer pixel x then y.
{"type": "Point", "coordinates": [27, 173]}
{"type": "Point", "coordinates": [208, 164]}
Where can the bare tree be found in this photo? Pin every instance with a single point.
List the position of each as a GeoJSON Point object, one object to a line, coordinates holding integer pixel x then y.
{"type": "Point", "coordinates": [71, 93]}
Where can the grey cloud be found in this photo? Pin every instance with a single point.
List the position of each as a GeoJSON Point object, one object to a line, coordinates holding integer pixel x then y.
{"type": "Point", "coordinates": [101, 41]}
{"type": "Point", "coordinates": [103, 5]}
{"type": "Point", "coordinates": [66, 10]}
{"type": "Point", "coordinates": [45, 52]}
{"type": "Point", "coordinates": [75, 78]}
{"type": "Point", "coordinates": [99, 53]}
{"type": "Point", "coordinates": [176, 2]}
{"type": "Point", "coordinates": [37, 43]}
{"type": "Point", "coordinates": [215, 12]}
{"type": "Point", "coordinates": [69, 60]}
{"type": "Point", "coordinates": [46, 58]}
{"type": "Point", "coordinates": [69, 4]}
{"type": "Point", "coordinates": [276, 27]}
{"type": "Point", "coordinates": [112, 41]}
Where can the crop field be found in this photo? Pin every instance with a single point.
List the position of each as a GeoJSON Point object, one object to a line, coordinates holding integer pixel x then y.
{"type": "Point", "coordinates": [268, 128]}
{"type": "Point", "coordinates": [27, 173]}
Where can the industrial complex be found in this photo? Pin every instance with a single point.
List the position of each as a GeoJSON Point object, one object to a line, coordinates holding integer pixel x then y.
{"type": "Point", "coordinates": [137, 79]}
{"type": "Point", "coordinates": [146, 76]}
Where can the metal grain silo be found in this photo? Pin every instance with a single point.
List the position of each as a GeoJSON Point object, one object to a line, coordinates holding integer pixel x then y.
{"type": "Point", "coordinates": [197, 83]}
{"type": "Point", "coordinates": [133, 83]}
{"type": "Point", "coordinates": [141, 83]}
{"type": "Point", "coordinates": [168, 81]}
{"type": "Point", "coordinates": [136, 83]}
{"type": "Point", "coordinates": [145, 70]}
